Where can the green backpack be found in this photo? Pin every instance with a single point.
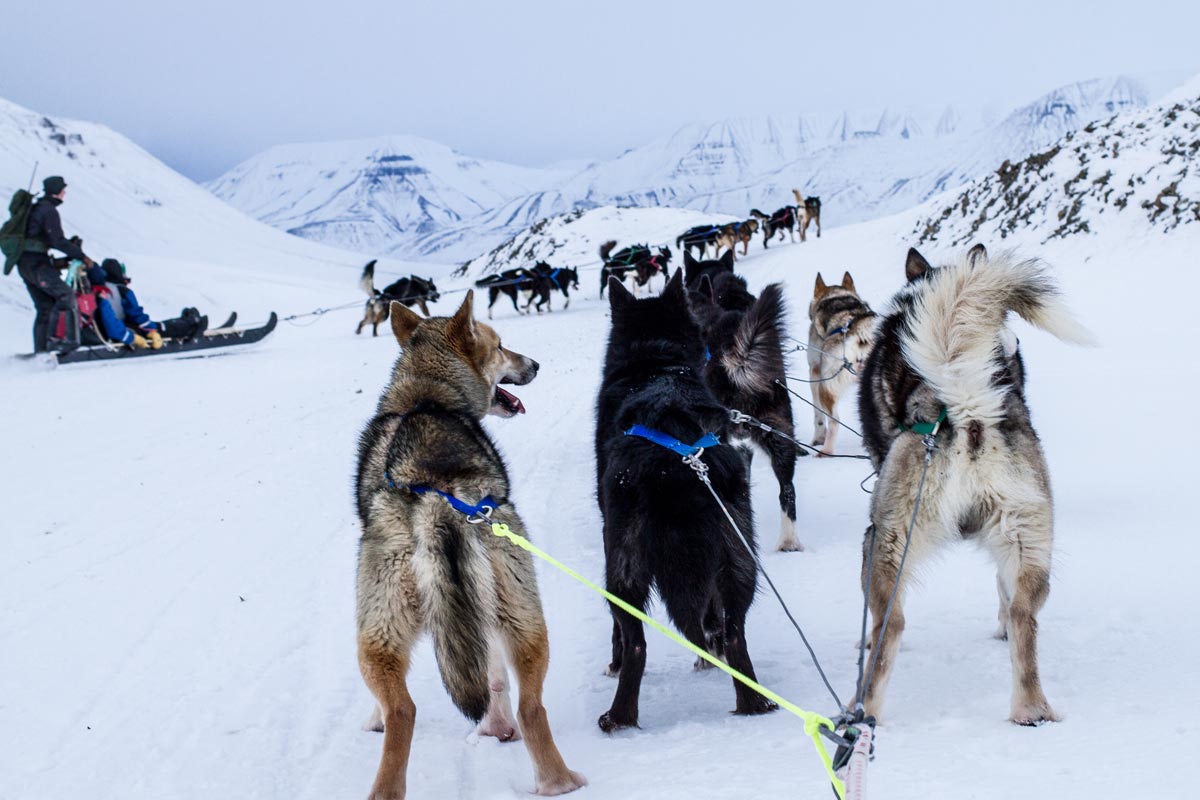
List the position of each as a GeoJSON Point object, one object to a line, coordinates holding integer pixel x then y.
{"type": "Point", "coordinates": [12, 233]}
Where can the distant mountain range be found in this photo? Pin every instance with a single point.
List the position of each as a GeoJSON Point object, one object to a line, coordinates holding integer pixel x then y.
{"type": "Point", "coordinates": [411, 197]}
{"type": "Point", "coordinates": [1138, 167]}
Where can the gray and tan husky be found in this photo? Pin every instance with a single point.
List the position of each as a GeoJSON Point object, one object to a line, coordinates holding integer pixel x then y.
{"type": "Point", "coordinates": [423, 567]}
{"type": "Point", "coordinates": [839, 338]}
{"type": "Point", "coordinates": [944, 352]}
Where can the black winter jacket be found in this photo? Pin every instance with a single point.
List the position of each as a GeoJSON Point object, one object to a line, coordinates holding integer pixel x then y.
{"type": "Point", "coordinates": [45, 226]}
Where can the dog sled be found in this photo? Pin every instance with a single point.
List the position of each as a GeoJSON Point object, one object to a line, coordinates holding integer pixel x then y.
{"type": "Point", "coordinates": [210, 340]}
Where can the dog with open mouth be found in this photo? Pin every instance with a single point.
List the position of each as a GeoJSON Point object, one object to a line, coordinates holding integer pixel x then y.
{"type": "Point", "coordinates": [423, 565]}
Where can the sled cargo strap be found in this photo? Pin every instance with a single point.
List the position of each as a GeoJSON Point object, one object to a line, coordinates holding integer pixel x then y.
{"type": "Point", "coordinates": [673, 444]}
{"type": "Point", "coordinates": [813, 722]}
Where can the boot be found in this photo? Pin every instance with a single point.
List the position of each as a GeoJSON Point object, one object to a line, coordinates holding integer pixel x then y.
{"type": "Point", "coordinates": [201, 327]}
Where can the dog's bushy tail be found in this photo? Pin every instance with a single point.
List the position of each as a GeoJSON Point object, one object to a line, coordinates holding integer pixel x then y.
{"type": "Point", "coordinates": [367, 281]}
{"type": "Point", "coordinates": [460, 601]}
{"type": "Point", "coordinates": [755, 358]}
{"type": "Point", "coordinates": [957, 321]}
{"type": "Point", "coordinates": [606, 249]}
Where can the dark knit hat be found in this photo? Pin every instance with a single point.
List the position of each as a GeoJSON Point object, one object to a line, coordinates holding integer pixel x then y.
{"type": "Point", "coordinates": [96, 275]}
{"type": "Point", "coordinates": [114, 270]}
{"type": "Point", "coordinates": [54, 184]}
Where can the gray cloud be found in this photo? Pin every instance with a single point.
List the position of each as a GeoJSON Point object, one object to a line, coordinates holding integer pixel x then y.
{"type": "Point", "coordinates": [204, 85]}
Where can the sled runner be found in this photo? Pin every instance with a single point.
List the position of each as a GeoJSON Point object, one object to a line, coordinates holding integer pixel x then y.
{"type": "Point", "coordinates": [222, 337]}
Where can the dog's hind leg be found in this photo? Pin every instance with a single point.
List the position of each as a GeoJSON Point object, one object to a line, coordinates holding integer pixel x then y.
{"type": "Point", "coordinates": [358, 330]}
{"type": "Point", "coordinates": [783, 463]}
{"type": "Point", "coordinates": [736, 585]}
{"type": "Point", "coordinates": [614, 667]}
{"type": "Point", "coordinates": [714, 632]}
{"type": "Point", "coordinates": [498, 721]}
{"type": "Point", "coordinates": [1021, 544]}
{"type": "Point", "coordinates": [1002, 613]}
{"type": "Point", "coordinates": [384, 669]}
{"type": "Point", "coordinates": [827, 402]}
{"type": "Point", "coordinates": [623, 713]}
{"type": "Point", "coordinates": [524, 630]}
{"type": "Point", "coordinates": [878, 586]}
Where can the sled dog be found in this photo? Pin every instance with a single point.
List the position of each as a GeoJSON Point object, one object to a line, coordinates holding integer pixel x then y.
{"type": "Point", "coordinates": [809, 209]}
{"type": "Point", "coordinates": [943, 352]}
{"type": "Point", "coordinates": [744, 367]}
{"type": "Point", "coordinates": [423, 567]}
{"type": "Point", "coordinates": [839, 338]}
{"type": "Point", "coordinates": [662, 528]}
{"type": "Point", "coordinates": [408, 291]}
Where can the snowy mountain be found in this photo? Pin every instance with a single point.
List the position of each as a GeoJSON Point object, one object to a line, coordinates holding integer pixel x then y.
{"type": "Point", "coordinates": [1139, 164]}
{"type": "Point", "coordinates": [370, 194]}
{"type": "Point", "coordinates": [862, 165]}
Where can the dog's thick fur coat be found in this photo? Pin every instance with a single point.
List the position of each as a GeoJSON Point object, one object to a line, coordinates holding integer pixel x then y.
{"type": "Point", "coordinates": [944, 344]}
{"type": "Point", "coordinates": [422, 566]}
{"type": "Point", "coordinates": [662, 529]}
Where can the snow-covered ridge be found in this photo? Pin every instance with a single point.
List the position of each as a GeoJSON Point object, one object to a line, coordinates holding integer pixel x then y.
{"type": "Point", "coordinates": [369, 194]}
{"type": "Point", "coordinates": [862, 165]}
{"type": "Point", "coordinates": [1139, 164]}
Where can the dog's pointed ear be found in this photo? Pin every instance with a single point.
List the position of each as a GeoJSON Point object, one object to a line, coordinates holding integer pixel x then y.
{"type": "Point", "coordinates": [727, 260]}
{"type": "Point", "coordinates": [674, 287]}
{"type": "Point", "coordinates": [820, 288]}
{"type": "Point", "coordinates": [848, 282]}
{"type": "Point", "coordinates": [619, 298]}
{"type": "Point", "coordinates": [915, 265]}
{"type": "Point", "coordinates": [706, 288]}
{"type": "Point", "coordinates": [404, 322]}
{"type": "Point", "coordinates": [689, 263]}
{"type": "Point", "coordinates": [976, 253]}
{"type": "Point", "coordinates": [462, 324]}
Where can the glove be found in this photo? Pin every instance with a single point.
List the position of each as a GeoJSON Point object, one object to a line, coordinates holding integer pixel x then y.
{"type": "Point", "coordinates": [155, 338]}
{"type": "Point", "coordinates": [139, 342]}
{"type": "Point", "coordinates": [87, 262]}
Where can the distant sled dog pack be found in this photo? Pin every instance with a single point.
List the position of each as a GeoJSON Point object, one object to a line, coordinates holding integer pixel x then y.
{"type": "Point", "coordinates": [662, 529]}
{"type": "Point", "coordinates": [423, 567]}
{"type": "Point", "coordinates": [945, 366]}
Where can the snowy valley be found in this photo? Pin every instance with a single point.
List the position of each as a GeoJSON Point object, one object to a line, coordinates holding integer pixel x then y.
{"type": "Point", "coordinates": [183, 627]}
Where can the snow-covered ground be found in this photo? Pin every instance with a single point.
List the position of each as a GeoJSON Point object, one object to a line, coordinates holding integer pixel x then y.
{"type": "Point", "coordinates": [177, 580]}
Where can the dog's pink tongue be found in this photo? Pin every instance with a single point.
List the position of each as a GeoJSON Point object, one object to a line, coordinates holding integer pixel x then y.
{"type": "Point", "coordinates": [512, 400]}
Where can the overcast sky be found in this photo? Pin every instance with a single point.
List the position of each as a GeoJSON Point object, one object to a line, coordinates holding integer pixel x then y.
{"type": "Point", "coordinates": [205, 84]}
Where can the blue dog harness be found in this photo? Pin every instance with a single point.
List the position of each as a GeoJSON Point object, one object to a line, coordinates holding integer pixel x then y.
{"type": "Point", "coordinates": [481, 509]}
{"type": "Point", "coordinates": [673, 444]}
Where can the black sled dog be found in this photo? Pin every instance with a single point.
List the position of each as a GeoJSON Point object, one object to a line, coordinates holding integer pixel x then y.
{"type": "Point", "coordinates": [662, 529]}
{"type": "Point", "coordinates": [745, 368]}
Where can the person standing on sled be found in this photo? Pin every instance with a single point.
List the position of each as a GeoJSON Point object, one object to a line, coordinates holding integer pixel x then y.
{"type": "Point", "coordinates": [52, 298]}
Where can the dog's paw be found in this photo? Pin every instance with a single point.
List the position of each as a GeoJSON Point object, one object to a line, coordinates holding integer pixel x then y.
{"type": "Point", "coordinates": [612, 670]}
{"type": "Point", "coordinates": [561, 785]}
{"type": "Point", "coordinates": [1001, 634]}
{"type": "Point", "coordinates": [374, 724]}
{"type": "Point", "coordinates": [611, 723]}
{"type": "Point", "coordinates": [755, 705]}
{"type": "Point", "coordinates": [503, 729]}
{"type": "Point", "coordinates": [700, 665]}
{"type": "Point", "coordinates": [792, 545]}
{"type": "Point", "coordinates": [1033, 714]}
